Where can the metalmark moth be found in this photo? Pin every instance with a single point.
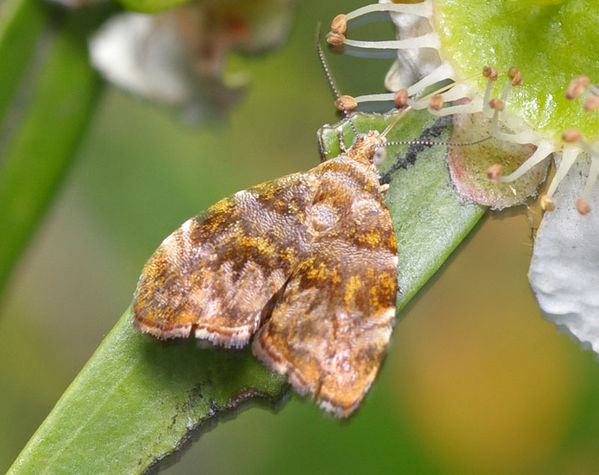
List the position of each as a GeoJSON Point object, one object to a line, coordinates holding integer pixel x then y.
{"type": "Point", "coordinates": [305, 264]}
{"type": "Point", "coordinates": [304, 267]}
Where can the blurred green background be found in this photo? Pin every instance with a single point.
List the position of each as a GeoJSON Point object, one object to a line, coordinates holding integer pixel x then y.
{"type": "Point", "coordinates": [475, 380]}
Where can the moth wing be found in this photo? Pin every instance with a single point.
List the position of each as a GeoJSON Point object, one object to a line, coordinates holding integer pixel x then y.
{"type": "Point", "coordinates": [216, 274]}
{"type": "Point", "coordinates": [330, 328]}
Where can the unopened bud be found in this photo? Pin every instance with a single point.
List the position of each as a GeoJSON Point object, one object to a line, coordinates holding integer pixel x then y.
{"type": "Point", "coordinates": [571, 136]}
{"type": "Point", "coordinates": [401, 98]}
{"type": "Point", "coordinates": [547, 203]}
{"type": "Point", "coordinates": [335, 39]}
{"type": "Point", "coordinates": [346, 103]}
{"type": "Point", "coordinates": [494, 172]}
{"type": "Point", "coordinates": [339, 24]}
{"type": "Point", "coordinates": [583, 206]}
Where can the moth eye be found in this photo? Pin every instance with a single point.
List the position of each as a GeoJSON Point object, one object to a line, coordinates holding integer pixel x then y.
{"type": "Point", "coordinates": [380, 155]}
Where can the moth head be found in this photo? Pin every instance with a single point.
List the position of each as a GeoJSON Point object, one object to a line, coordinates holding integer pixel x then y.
{"type": "Point", "coordinates": [369, 148]}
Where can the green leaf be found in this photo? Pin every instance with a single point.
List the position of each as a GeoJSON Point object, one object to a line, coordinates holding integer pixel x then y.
{"type": "Point", "coordinates": [20, 22]}
{"type": "Point", "coordinates": [137, 399]}
{"type": "Point", "coordinates": [151, 6]}
{"type": "Point", "coordinates": [47, 94]}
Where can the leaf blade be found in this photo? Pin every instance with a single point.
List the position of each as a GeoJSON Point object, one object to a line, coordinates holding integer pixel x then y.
{"type": "Point", "coordinates": [43, 130]}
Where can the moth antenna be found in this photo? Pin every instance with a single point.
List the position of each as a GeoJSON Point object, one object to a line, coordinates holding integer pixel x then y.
{"type": "Point", "coordinates": [331, 81]}
{"type": "Point", "coordinates": [433, 142]}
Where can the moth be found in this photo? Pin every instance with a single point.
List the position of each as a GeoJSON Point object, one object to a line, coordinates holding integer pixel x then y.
{"type": "Point", "coordinates": [303, 268]}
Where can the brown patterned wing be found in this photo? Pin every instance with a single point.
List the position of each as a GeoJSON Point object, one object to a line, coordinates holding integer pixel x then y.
{"type": "Point", "coordinates": [215, 275]}
{"type": "Point", "coordinates": [330, 328]}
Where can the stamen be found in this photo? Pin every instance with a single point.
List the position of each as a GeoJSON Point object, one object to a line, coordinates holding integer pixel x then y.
{"type": "Point", "coordinates": [577, 86]}
{"type": "Point", "coordinates": [428, 40]}
{"type": "Point", "coordinates": [506, 91]}
{"type": "Point", "coordinates": [339, 24]}
{"type": "Point", "coordinates": [544, 149]}
{"type": "Point", "coordinates": [571, 136]}
{"type": "Point", "coordinates": [436, 102]}
{"type": "Point", "coordinates": [569, 156]}
{"type": "Point", "coordinates": [583, 206]}
{"type": "Point", "coordinates": [515, 76]}
{"type": "Point", "coordinates": [442, 72]}
{"type": "Point", "coordinates": [346, 103]}
{"type": "Point", "coordinates": [383, 97]}
{"type": "Point", "coordinates": [523, 137]}
{"type": "Point", "coordinates": [491, 74]}
{"type": "Point", "coordinates": [459, 91]}
{"type": "Point", "coordinates": [335, 39]}
{"type": "Point", "coordinates": [471, 108]}
{"type": "Point", "coordinates": [401, 98]}
{"type": "Point", "coordinates": [496, 104]}
{"type": "Point", "coordinates": [591, 103]}
{"type": "Point", "coordinates": [423, 9]}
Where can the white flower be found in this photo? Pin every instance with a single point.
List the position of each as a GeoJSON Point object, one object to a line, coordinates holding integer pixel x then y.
{"type": "Point", "coordinates": [176, 58]}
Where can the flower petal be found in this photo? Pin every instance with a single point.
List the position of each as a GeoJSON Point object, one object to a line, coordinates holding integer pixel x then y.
{"type": "Point", "coordinates": [143, 56]}
{"type": "Point", "coordinates": [564, 272]}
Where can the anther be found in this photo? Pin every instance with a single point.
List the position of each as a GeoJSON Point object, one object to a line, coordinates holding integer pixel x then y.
{"type": "Point", "coordinates": [346, 103]}
{"type": "Point", "coordinates": [490, 73]}
{"type": "Point", "coordinates": [496, 103]}
{"type": "Point", "coordinates": [335, 39]}
{"type": "Point", "coordinates": [582, 79]}
{"type": "Point", "coordinates": [401, 98]}
{"type": "Point", "coordinates": [436, 102]}
{"type": "Point", "coordinates": [339, 24]}
{"type": "Point", "coordinates": [494, 172]}
{"type": "Point", "coordinates": [591, 103]}
{"type": "Point", "coordinates": [515, 76]}
{"type": "Point", "coordinates": [583, 206]}
{"type": "Point", "coordinates": [577, 86]}
{"type": "Point", "coordinates": [547, 203]}
{"type": "Point", "coordinates": [571, 136]}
